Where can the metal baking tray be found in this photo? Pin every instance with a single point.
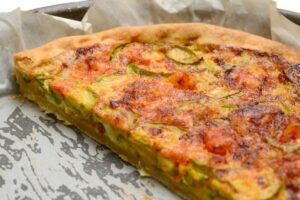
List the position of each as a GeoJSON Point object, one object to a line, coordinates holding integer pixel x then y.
{"type": "Point", "coordinates": [77, 10]}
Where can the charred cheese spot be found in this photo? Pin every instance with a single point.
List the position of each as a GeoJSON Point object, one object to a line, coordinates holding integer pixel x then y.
{"type": "Point", "coordinates": [258, 119]}
{"type": "Point", "coordinates": [251, 77]}
{"type": "Point", "coordinates": [291, 131]}
{"type": "Point", "coordinates": [83, 51]}
{"type": "Point", "coordinates": [292, 74]}
{"type": "Point", "coordinates": [219, 140]}
{"type": "Point", "coordinates": [182, 80]}
{"type": "Point", "coordinates": [155, 131]}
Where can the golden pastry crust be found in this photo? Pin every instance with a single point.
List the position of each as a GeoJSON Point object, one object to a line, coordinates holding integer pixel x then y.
{"type": "Point", "coordinates": [177, 33]}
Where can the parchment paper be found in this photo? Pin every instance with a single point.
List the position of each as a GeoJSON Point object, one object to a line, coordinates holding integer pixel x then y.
{"type": "Point", "coordinates": [40, 158]}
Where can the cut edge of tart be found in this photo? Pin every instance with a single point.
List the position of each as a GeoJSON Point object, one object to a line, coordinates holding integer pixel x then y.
{"type": "Point", "coordinates": [211, 112]}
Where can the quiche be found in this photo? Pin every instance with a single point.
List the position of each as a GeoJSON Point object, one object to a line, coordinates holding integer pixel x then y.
{"type": "Point", "coordinates": [210, 112]}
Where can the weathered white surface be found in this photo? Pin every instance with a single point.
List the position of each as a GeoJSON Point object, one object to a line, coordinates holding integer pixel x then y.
{"type": "Point", "coordinates": [40, 158]}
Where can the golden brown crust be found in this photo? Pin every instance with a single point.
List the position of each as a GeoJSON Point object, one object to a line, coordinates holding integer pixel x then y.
{"type": "Point", "coordinates": [179, 33]}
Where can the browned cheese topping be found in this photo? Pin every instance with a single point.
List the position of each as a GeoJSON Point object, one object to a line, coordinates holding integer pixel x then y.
{"type": "Point", "coordinates": [224, 106]}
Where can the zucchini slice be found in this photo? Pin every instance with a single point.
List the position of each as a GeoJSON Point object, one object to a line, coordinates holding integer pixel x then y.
{"type": "Point", "coordinates": [116, 52]}
{"type": "Point", "coordinates": [183, 55]}
{"type": "Point", "coordinates": [223, 93]}
{"type": "Point", "coordinates": [137, 70]}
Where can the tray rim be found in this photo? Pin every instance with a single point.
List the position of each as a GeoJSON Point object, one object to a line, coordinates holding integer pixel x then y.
{"type": "Point", "coordinates": [84, 5]}
{"type": "Point", "coordinates": [64, 7]}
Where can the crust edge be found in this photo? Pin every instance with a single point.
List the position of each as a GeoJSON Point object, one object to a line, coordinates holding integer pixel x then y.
{"type": "Point", "coordinates": [198, 32]}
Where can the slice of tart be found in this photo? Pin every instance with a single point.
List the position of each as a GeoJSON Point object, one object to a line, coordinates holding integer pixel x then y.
{"type": "Point", "coordinates": [210, 112]}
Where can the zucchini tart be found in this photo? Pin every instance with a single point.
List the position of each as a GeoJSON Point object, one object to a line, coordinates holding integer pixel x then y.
{"type": "Point", "coordinates": [212, 113]}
